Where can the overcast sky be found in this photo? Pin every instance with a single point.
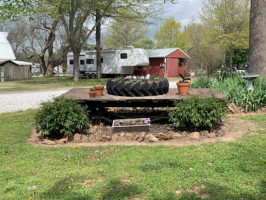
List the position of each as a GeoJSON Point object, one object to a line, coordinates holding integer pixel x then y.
{"type": "Point", "coordinates": [183, 12]}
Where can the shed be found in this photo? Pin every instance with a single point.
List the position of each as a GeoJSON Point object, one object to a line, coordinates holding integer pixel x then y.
{"type": "Point", "coordinates": [15, 70]}
{"type": "Point", "coordinates": [165, 62]}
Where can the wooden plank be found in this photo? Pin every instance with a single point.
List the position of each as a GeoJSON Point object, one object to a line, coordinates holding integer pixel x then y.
{"type": "Point", "coordinates": [107, 100]}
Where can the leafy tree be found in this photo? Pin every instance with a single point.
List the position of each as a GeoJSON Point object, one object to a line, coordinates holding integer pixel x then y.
{"type": "Point", "coordinates": [125, 32]}
{"type": "Point", "coordinates": [240, 56]}
{"type": "Point", "coordinates": [168, 34]}
{"type": "Point", "coordinates": [226, 23]}
{"type": "Point", "coordinates": [257, 38]}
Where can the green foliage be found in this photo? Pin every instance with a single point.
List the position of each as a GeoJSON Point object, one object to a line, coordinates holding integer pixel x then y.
{"type": "Point", "coordinates": [236, 89]}
{"type": "Point", "coordinates": [240, 56]}
{"type": "Point", "coordinates": [195, 112]}
{"type": "Point", "coordinates": [92, 89]}
{"type": "Point", "coordinates": [202, 82]}
{"type": "Point", "coordinates": [126, 32]}
{"type": "Point", "coordinates": [168, 34]}
{"type": "Point", "coordinates": [60, 117]}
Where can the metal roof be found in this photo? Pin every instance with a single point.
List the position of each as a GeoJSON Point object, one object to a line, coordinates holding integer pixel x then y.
{"type": "Point", "coordinates": [162, 53]}
{"type": "Point", "coordinates": [16, 62]}
{"type": "Point", "coordinates": [6, 52]}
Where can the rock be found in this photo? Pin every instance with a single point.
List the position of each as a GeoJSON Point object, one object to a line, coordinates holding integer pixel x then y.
{"type": "Point", "coordinates": [94, 137]}
{"type": "Point", "coordinates": [128, 136]}
{"type": "Point", "coordinates": [184, 134]}
{"type": "Point", "coordinates": [62, 141]}
{"type": "Point", "coordinates": [171, 134]}
{"type": "Point", "coordinates": [140, 137]}
{"type": "Point", "coordinates": [177, 136]}
{"type": "Point", "coordinates": [151, 138]}
{"type": "Point", "coordinates": [162, 136]}
{"type": "Point", "coordinates": [122, 137]}
{"type": "Point", "coordinates": [115, 137]}
{"type": "Point", "coordinates": [204, 133]}
{"type": "Point", "coordinates": [212, 134]}
{"type": "Point", "coordinates": [49, 142]}
{"type": "Point", "coordinates": [77, 137]}
{"type": "Point", "coordinates": [97, 137]}
{"type": "Point", "coordinates": [105, 138]}
{"type": "Point", "coordinates": [220, 131]}
{"type": "Point", "coordinates": [85, 139]}
{"type": "Point", "coordinates": [194, 135]}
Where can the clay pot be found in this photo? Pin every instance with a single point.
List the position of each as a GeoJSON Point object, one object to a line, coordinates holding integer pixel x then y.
{"type": "Point", "coordinates": [99, 90]}
{"type": "Point", "coordinates": [92, 94]}
{"type": "Point", "coordinates": [183, 88]}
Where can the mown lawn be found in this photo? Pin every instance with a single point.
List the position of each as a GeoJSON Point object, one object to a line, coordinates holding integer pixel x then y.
{"type": "Point", "coordinates": [46, 83]}
{"type": "Point", "coordinates": [233, 170]}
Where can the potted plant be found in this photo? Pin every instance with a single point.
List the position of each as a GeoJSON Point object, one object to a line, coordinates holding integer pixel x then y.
{"type": "Point", "coordinates": [183, 85]}
{"type": "Point", "coordinates": [92, 92]}
{"type": "Point", "coordinates": [99, 90]}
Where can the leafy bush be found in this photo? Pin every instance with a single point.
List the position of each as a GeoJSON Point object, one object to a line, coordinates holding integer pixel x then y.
{"type": "Point", "coordinates": [197, 113]}
{"type": "Point", "coordinates": [60, 117]}
{"type": "Point", "coordinates": [202, 82]}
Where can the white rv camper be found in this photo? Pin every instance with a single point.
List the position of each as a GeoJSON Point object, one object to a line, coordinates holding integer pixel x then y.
{"type": "Point", "coordinates": [114, 62]}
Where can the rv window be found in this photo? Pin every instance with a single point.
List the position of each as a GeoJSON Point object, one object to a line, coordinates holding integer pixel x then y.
{"type": "Point", "coordinates": [82, 62]}
{"type": "Point", "coordinates": [101, 60]}
{"type": "Point", "coordinates": [123, 55]}
{"type": "Point", "coordinates": [71, 62]}
{"type": "Point", "coordinates": [89, 61]}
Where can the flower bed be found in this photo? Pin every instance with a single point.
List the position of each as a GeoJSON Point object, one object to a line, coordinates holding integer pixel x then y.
{"type": "Point", "coordinates": [139, 124]}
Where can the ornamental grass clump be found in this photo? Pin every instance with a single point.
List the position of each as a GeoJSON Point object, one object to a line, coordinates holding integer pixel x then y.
{"type": "Point", "coordinates": [197, 113]}
{"type": "Point", "coordinates": [60, 117]}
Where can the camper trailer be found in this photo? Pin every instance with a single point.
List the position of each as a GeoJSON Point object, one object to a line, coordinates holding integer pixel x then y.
{"type": "Point", "coordinates": [113, 62]}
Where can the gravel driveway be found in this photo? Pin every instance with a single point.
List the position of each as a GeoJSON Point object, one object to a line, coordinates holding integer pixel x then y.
{"type": "Point", "coordinates": [22, 101]}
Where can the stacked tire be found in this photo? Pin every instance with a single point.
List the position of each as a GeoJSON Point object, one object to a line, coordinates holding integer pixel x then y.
{"type": "Point", "coordinates": [137, 89]}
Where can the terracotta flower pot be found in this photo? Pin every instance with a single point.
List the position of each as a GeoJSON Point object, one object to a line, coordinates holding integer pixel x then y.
{"type": "Point", "coordinates": [92, 94]}
{"type": "Point", "coordinates": [99, 90]}
{"type": "Point", "coordinates": [183, 88]}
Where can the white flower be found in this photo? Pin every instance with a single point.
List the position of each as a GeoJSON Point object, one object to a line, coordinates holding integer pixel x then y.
{"type": "Point", "coordinates": [34, 187]}
{"type": "Point", "coordinates": [148, 77]}
{"type": "Point", "coordinates": [134, 77]}
{"type": "Point", "coordinates": [29, 188]}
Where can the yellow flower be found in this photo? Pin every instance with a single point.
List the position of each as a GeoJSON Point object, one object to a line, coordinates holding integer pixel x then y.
{"type": "Point", "coordinates": [29, 197]}
{"type": "Point", "coordinates": [69, 187]}
{"type": "Point", "coordinates": [74, 147]}
{"type": "Point", "coordinates": [238, 142]}
{"type": "Point", "coordinates": [82, 186]}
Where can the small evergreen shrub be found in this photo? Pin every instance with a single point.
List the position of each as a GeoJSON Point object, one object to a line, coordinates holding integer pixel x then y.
{"type": "Point", "coordinates": [60, 117]}
{"type": "Point", "coordinates": [197, 113]}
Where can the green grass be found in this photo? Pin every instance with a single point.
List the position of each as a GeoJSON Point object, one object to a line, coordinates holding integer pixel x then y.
{"type": "Point", "coordinates": [46, 83]}
{"type": "Point", "coordinates": [233, 170]}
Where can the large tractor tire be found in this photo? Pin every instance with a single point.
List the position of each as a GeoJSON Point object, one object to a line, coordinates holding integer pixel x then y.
{"type": "Point", "coordinates": [137, 89]}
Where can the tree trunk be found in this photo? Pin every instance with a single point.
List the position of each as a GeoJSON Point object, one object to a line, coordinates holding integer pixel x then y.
{"type": "Point", "coordinates": [224, 60]}
{"type": "Point", "coordinates": [98, 45]}
{"type": "Point", "coordinates": [42, 64]}
{"type": "Point", "coordinates": [231, 59]}
{"type": "Point", "coordinates": [257, 38]}
{"type": "Point", "coordinates": [50, 65]}
{"type": "Point", "coordinates": [76, 70]}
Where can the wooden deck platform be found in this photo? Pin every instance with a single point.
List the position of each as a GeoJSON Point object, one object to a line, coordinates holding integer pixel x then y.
{"type": "Point", "coordinates": [166, 100]}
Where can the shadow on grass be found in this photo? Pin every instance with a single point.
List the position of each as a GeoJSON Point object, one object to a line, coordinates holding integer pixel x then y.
{"type": "Point", "coordinates": [114, 189]}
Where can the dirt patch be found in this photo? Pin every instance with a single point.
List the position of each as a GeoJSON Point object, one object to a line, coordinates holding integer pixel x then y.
{"type": "Point", "coordinates": [162, 134]}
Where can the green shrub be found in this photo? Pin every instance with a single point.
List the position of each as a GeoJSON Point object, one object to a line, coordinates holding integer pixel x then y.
{"type": "Point", "coordinates": [197, 113]}
{"type": "Point", "coordinates": [60, 117]}
{"type": "Point", "coordinates": [202, 82]}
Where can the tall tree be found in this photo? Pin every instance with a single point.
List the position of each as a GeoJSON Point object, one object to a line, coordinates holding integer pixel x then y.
{"type": "Point", "coordinates": [125, 32]}
{"type": "Point", "coordinates": [257, 38]}
{"type": "Point", "coordinates": [168, 34]}
{"type": "Point", "coordinates": [226, 23]}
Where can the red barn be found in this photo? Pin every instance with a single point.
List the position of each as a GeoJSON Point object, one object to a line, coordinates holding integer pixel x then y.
{"type": "Point", "coordinates": [165, 62]}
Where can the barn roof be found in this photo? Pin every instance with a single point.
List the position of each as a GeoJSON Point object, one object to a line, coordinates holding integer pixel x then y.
{"type": "Point", "coordinates": [162, 53]}
{"type": "Point", "coordinates": [6, 52]}
{"type": "Point", "coordinates": [16, 62]}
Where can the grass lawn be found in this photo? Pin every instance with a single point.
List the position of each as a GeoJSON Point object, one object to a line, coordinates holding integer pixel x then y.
{"type": "Point", "coordinates": [46, 83]}
{"type": "Point", "coordinates": [233, 170]}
